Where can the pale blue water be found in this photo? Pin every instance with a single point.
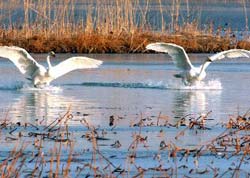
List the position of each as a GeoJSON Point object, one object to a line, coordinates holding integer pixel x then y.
{"type": "Point", "coordinates": [130, 87]}
{"type": "Point", "coordinates": [127, 85]}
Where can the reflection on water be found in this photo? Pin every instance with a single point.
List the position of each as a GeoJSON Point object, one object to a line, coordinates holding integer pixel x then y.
{"type": "Point", "coordinates": [33, 105]}
{"type": "Point", "coordinates": [194, 102]}
{"type": "Point", "coordinates": [126, 88]}
{"type": "Point", "coordinates": [98, 103]}
{"type": "Point", "coordinates": [182, 102]}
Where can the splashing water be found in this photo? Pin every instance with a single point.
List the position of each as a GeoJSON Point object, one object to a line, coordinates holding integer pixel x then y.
{"type": "Point", "coordinates": [50, 88]}
{"type": "Point", "coordinates": [22, 86]}
{"type": "Point", "coordinates": [170, 85]}
{"type": "Point", "coordinates": [176, 85]}
{"type": "Point", "coordinates": [201, 85]}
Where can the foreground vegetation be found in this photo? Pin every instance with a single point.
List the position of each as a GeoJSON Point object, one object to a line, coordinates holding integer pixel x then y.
{"type": "Point", "coordinates": [56, 150]}
{"type": "Point", "coordinates": [115, 26]}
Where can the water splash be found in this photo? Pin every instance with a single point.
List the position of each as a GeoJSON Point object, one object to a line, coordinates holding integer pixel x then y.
{"type": "Point", "coordinates": [50, 88]}
{"type": "Point", "coordinates": [22, 86]}
{"type": "Point", "coordinates": [170, 85]}
{"type": "Point", "coordinates": [160, 85]}
{"type": "Point", "coordinates": [201, 85]}
{"type": "Point", "coordinates": [146, 85]}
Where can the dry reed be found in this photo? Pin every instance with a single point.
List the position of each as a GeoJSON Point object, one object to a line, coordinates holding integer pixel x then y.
{"type": "Point", "coordinates": [233, 142]}
{"type": "Point", "coordinates": [114, 26]}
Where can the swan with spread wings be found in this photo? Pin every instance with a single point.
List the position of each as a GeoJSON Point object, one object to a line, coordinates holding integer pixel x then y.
{"type": "Point", "coordinates": [190, 74]}
{"type": "Point", "coordinates": [38, 74]}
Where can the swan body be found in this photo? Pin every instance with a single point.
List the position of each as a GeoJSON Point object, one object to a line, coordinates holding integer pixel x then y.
{"type": "Point", "coordinates": [38, 74]}
{"type": "Point", "coordinates": [190, 74]}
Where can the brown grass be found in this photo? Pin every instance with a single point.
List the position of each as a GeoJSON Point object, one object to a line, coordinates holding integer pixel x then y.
{"type": "Point", "coordinates": [114, 26]}
{"type": "Point", "coordinates": [122, 43]}
{"type": "Point", "coordinates": [37, 162]}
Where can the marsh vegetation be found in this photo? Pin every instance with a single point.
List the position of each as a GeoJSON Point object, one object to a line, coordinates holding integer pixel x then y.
{"type": "Point", "coordinates": [57, 150]}
{"type": "Point", "coordinates": [119, 26]}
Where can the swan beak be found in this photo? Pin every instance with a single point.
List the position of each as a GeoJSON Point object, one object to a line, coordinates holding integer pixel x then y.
{"type": "Point", "coordinates": [52, 53]}
{"type": "Point", "coordinates": [209, 60]}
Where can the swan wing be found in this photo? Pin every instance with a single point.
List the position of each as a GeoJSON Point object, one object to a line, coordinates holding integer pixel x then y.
{"type": "Point", "coordinates": [73, 63]}
{"type": "Point", "coordinates": [177, 53]}
{"type": "Point", "coordinates": [232, 53]}
{"type": "Point", "coordinates": [21, 58]}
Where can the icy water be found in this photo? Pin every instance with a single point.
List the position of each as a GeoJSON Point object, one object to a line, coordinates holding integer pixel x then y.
{"type": "Point", "coordinates": [128, 85]}
{"type": "Point", "coordinates": [133, 90]}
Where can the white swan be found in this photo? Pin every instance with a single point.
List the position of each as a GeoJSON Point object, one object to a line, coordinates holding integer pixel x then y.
{"type": "Point", "coordinates": [38, 74]}
{"type": "Point", "coordinates": [189, 73]}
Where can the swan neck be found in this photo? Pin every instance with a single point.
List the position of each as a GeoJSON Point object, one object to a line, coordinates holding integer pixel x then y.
{"type": "Point", "coordinates": [48, 62]}
{"type": "Point", "coordinates": [202, 69]}
{"type": "Point", "coordinates": [202, 72]}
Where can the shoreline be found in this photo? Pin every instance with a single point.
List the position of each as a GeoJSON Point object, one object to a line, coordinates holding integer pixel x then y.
{"type": "Point", "coordinates": [123, 42]}
{"type": "Point", "coordinates": [123, 26]}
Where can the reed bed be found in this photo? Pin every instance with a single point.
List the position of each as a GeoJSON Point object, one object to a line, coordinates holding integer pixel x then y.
{"type": "Point", "coordinates": [113, 26]}
{"type": "Point", "coordinates": [55, 150]}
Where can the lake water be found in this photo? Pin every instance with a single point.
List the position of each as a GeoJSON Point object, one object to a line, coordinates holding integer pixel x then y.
{"type": "Point", "coordinates": [217, 14]}
{"type": "Point", "coordinates": [128, 85]}
{"type": "Point", "coordinates": [128, 88]}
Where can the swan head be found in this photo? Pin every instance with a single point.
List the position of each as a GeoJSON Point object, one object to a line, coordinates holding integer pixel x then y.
{"type": "Point", "coordinates": [52, 54]}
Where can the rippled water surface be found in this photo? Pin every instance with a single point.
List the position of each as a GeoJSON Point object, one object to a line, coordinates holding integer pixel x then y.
{"type": "Point", "coordinates": [129, 86]}
{"type": "Point", "coordinates": [133, 90]}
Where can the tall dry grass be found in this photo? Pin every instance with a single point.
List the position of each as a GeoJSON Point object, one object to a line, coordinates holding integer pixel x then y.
{"type": "Point", "coordinates": [99, 26]}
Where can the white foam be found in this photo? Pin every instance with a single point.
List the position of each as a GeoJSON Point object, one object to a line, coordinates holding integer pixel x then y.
{"type": "Point", "coordinates": [201, 85]}
{"type": "Point", "coordinates": [54, 89]}
{"type": "Point", "coordinates": [177, 85]}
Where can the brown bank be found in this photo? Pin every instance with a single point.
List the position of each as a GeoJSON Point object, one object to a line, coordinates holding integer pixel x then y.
{"type": "Point", "coordinates": [123, 42]}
